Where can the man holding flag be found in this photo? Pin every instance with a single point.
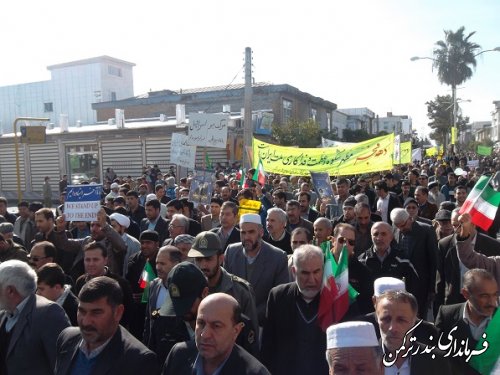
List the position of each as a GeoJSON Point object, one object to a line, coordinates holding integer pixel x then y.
{"type": "Point", "coordinates": [338, 297]}
{"type": "Point", "coordinates": [141, 271]}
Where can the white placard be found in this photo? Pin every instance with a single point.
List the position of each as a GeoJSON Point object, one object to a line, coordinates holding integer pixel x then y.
{"type": "Point", "coordinates": [83, 202]}
{"type": "Point", "coordinates": [416, 155]}
{"type": "Point", "coordinates": [208, 130]}
{"type": "Point", "coordinates": [473, 163]}
{"type": "Point", "coordinates": [329, 143]}
{"type": "Point", "coordinates": [180, 152]}
{"type": "Point", "coordinates": [397, 149]}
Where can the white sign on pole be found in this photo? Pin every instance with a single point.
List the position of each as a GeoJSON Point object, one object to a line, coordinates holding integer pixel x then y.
{"type": "Point", "coordinates": [208, 129]}
{"type": "Point", "coordinates": [416, 154]}
{"type": "Point", "coordinates": [181, 153]}
{"type": "Point", "coordinates": [397, 150]}
{"type": "Point", "coordinates": [329, 143]}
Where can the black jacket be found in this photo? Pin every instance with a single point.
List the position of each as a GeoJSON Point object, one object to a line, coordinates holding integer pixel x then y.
{"type": "Point", "coordinates": [70, 307]}
{"type": "Point", "coordinates": [448, 267]}
{"type": "Point", "coordinates": [448, 317]}
{"type": "Point", "coordinates": [182, 357]}
{"type": "Point", "coordinates": [394, 265]}
{"type": "Point", "coordinates": [234, 237]}
{"type": "Point", "coordinates": [281, 352]}
{"type": "Point", "coordinates": [124, 355]}
{"type": "Point", "coordinates": [422, 254]}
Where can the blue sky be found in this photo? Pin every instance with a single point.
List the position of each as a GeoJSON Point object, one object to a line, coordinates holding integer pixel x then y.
{"type": "Point", "coordinates": [353, 53]}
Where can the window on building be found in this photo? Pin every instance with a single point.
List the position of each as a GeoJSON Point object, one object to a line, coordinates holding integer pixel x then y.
{"type": "Point", "coordinates": [48, 107]}
{"type": "Point", "coordinates": [113, 96]}
{"type": "Point", "coordinates": [287, 110]}
{"type": "Point", "coordinates": [329, 121]}
{"type": "Point", "coordinates": [314, 114]}
{"type": "Point", "coordinates": [114, 71]}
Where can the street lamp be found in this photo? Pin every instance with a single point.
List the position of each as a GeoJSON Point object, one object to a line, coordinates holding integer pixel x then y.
{"type": "Point", "coordinates": [454, 90]}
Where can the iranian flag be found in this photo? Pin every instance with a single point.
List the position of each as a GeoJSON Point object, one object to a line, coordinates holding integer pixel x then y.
{"type": "Point", "coordinates": [336, 293]}
{"type": "Point", "coordinates": [241, 177]}
{"type": "Point", "coordinates": [488, 362]}
{"type": "Point", "coordinates": [259, 175]}
{"type": "Point", "coordinates": [148, 275]}
{"type": "Point", "coordinates": [482, 203]}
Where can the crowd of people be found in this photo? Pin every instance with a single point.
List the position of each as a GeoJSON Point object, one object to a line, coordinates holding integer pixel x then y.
{"type": "Point", "coordinates": [157, 284]}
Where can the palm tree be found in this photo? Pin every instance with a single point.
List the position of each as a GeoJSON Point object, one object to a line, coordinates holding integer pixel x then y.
{"type": "Point", "coordinates": [454, 59]}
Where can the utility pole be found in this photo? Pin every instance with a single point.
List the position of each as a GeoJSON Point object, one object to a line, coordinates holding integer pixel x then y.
{"type": "Point", "coordinates": [247, 121]}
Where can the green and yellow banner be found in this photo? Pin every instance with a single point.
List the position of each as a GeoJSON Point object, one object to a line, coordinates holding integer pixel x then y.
{"type": "Point", "coordinates": [405, 153]}
{"type": "Point", "coordinates": [484, 150]}
{"type": "Point", "coordinates": [433, 151]}
{"type": "Point", "coordinates": [364, 157]}
{"type": "Point", "coordinates": [453, 135]}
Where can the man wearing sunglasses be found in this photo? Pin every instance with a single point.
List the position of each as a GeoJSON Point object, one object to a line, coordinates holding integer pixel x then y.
{"type": "Point", "coordinates": [42, 253]}
{"type": "Point", "coordinates": [359, 275]}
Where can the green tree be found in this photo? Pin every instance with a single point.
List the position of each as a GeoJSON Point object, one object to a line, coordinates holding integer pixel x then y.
{"type": "Point", "coordinates": [297, 133]}
{"type": "Point", "coordinates": [454, 59]}
{"type": "Point", "coordinates": [355, 135]}
{"type": "Point", "coordinates": [440, 112]}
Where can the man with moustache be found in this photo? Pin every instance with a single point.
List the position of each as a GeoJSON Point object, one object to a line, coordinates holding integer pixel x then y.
{"type": "Point", "coordinates": [156, 331]}
{"type": "Point", "coordinates": [214, 349]}
{"type": "Point", "coordinates": [99, 345]}
{"type": "Point", "coordinates": [208, 256]}
{"type": "Point", "coordinates": [469, 319]}
{"type": "Point", "coordinates": [292, 340]}
{"type": "Point", "coordinates": [396, 312]}
{"type": "Point", "coordinates": [261, 264]}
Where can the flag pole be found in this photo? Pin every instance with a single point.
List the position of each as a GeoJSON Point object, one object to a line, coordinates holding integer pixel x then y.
{"type": "Point", "coordinates": [480, 193]}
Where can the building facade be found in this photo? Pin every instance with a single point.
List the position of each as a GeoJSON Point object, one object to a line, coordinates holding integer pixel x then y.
{"type": "Point", "coordinates": [275, 103]}
{"type": "Point", "coordinates": [495, 122]}
{"type": "Point", "coordinates": [360, 119]}
{"type": "Point", "coordinates": [399, 124]}
{"type": "Point", "coordinates": [70, 91]}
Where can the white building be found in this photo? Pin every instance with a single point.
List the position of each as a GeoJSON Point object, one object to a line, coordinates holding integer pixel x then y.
{"type": "Point", "coordinates": [339, 123]}
{"type": "Point", "coordinates": [399, 124]}
{"type": "Point", "coordinates": [73, 87]}
{"type": "Point", "coordinates": [359, 119]}
{"type": "Point", "coordinates": [495, 122]}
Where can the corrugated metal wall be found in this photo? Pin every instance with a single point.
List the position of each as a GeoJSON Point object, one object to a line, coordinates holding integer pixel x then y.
{"type": "Point", "coordinates": [216, 155]}
{"type": "Point", "coordinates": [44, 161]}
{"type": "Point", "coordinates": [124, 156]}
{"type": "Point", "coordinates": [8, 180]}
{"type": "Point", "coordinates": [158, 152]}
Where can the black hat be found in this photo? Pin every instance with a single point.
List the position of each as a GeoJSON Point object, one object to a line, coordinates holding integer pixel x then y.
{"type": "Point", "coordinates": [443, 215]}
{"type": "Point", "coordinates": [119, 199]}
{"type": "Point", "coordinates": [205, 244]}
{"type": "Point", "coordinates": [185, 283]}
{"type": "Point", "coordinates": [408, 201]}
{"type": "Point", "coordinates": [149, 235]}
{"type": "Point", "coordinates": [350, 202]}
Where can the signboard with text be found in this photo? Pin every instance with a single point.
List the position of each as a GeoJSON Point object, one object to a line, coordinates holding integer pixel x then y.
{"type": "Point", "coordinates": [83, 202]}
{"type": "Point", "coordinates": [208, 130]}
{"type": "Point", "coordinates": [181, 153]}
